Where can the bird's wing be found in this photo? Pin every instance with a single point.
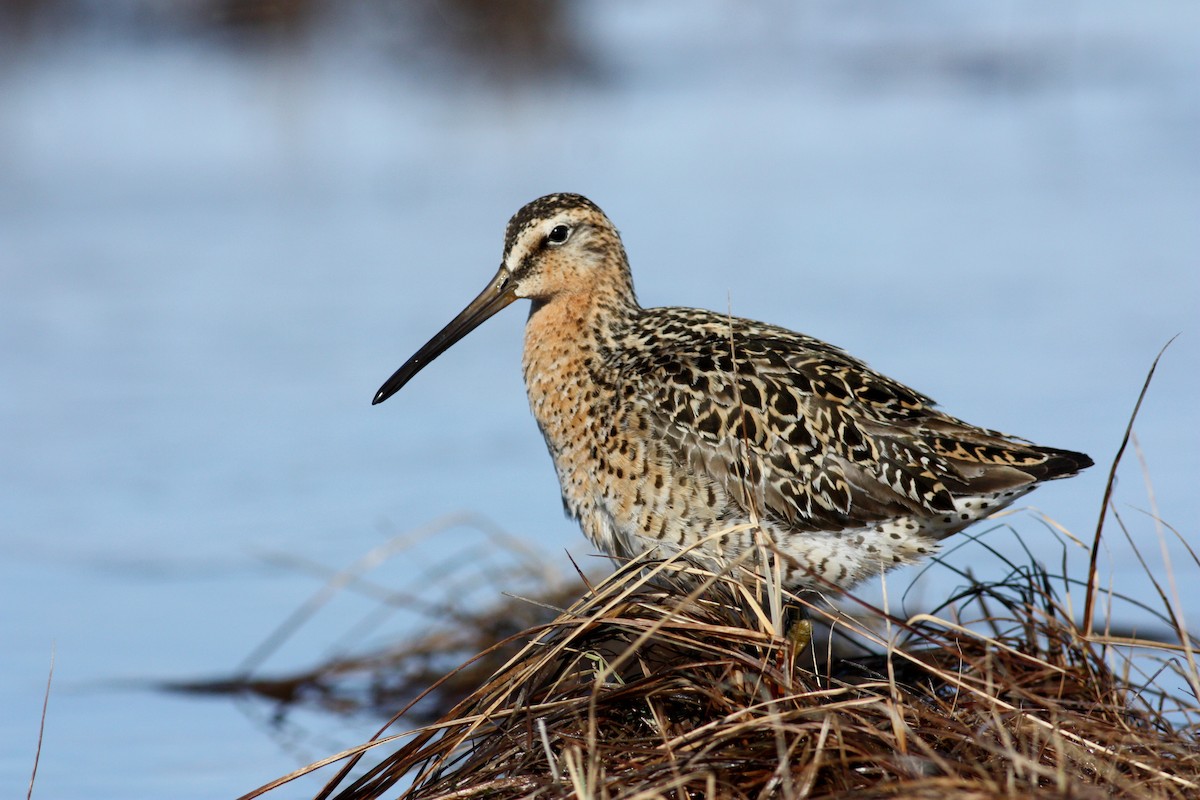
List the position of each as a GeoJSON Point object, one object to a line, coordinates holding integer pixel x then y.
{"type": "Point", "coordinates": [798, 431]}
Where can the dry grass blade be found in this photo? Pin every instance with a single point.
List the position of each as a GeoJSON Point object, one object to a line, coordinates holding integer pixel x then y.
{"type": "Point", "coordinates": [1089, 608]}
{"type": "Point", "coordinates": [37, 754]}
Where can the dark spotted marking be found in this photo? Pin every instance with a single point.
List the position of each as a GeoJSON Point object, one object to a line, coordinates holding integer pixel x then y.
{"type": "Point", "coordinates": [785, 403]}
{"type": "Point", "coordinates": [750, 396]}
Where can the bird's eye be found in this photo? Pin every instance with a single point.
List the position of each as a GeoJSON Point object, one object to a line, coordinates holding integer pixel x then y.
{"type": "Point", "coordinates": [558, 234]}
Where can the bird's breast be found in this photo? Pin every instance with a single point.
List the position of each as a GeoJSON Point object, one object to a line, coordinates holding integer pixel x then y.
{"type": "Point", "coordinates": [570, 397]}
{"type": "Point", "coordinates": [624, 485]}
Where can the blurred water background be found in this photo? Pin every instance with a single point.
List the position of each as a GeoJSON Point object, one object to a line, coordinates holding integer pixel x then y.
{"type": "Point", "coordinates": [223, 224]}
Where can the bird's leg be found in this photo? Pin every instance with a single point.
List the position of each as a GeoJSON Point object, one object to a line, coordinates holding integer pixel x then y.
{"type": "Point", "coordinates": [800, 634]}
{"type": "Point", "coordinates": [797, 635]}
{"type": "Point", "coordinates": [797, 628]}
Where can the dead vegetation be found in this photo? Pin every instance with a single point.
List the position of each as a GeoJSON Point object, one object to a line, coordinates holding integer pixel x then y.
{"type": "Point", "coordinates": [644, 689]}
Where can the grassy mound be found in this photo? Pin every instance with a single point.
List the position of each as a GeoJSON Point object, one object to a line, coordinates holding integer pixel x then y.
{"type": "Point", "coordinates": [644, 689]}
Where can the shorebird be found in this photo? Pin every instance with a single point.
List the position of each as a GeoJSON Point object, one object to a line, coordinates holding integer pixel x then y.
{"type": "Point", "coordinates": [678, 430]}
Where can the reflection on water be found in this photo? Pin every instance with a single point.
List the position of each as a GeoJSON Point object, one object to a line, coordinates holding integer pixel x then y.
{"type": "Point", "coordinates": [214, 247]}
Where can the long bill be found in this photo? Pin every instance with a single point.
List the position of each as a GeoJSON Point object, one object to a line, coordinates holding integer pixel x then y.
{"type": "Point", "coordinates": [497, 295]}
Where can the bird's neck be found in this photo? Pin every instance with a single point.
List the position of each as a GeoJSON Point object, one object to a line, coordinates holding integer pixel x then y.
{"type": "Point", "coordinates": [570, 344]}
{"type": "Point", "coordinates": [585, 325]}
{"type": "Point", "coordinates": [571, 374]}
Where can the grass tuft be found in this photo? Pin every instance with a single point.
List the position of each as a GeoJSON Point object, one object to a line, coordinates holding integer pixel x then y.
{"type": "Point", "coordinates": [656, 684]}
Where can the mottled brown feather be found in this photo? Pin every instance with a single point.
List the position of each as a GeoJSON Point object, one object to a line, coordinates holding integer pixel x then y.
{"type": "Point", "coordinates": [828, 442]}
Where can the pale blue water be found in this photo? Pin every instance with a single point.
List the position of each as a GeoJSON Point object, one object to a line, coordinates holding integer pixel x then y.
{"type": "Point", "coordinates": [209, 262]}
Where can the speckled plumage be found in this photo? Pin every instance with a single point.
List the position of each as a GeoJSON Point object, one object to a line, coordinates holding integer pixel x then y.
{"type": "Point", "coordinates": [670, 425]}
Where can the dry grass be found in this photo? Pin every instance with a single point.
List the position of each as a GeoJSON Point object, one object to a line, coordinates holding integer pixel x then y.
{"type": "Point", "coordinates": [642, 689]}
